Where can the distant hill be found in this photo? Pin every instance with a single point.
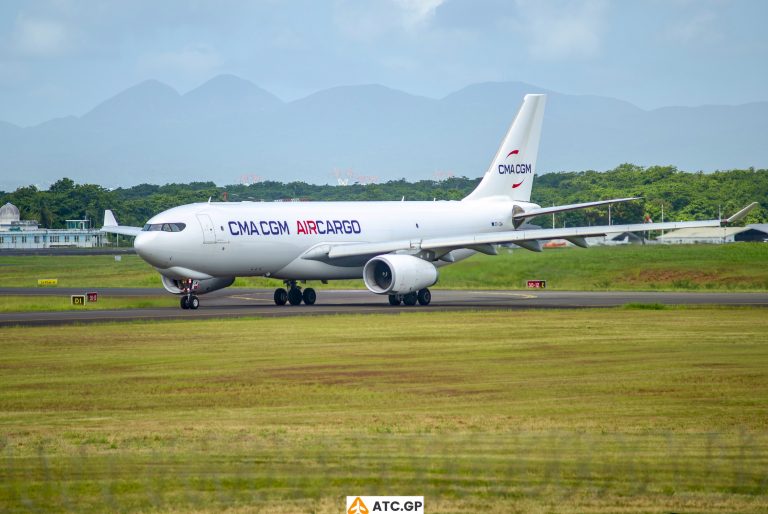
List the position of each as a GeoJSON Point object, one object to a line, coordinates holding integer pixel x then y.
{"type": "Point", "coordinates": [229, 127]}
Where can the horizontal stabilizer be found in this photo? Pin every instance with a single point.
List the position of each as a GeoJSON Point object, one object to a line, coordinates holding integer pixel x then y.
{"type": "Point", "coordinates": [564, 208]}
{"type": "Point", "coordinates": [111, 226]}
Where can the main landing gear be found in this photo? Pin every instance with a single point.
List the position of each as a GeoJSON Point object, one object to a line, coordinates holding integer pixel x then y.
{"type": "Point", "coordinates": [422, 297]}
{"type": "Point", "coordinates": [294, 295]}
{"type": "Point", "coordinates": [188, 299]}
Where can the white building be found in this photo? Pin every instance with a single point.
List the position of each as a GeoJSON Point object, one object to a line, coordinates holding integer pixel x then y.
{"type": "Point", "coordinates": [25, 234]}
{"type": "Point", "coordinates": [717, 235]}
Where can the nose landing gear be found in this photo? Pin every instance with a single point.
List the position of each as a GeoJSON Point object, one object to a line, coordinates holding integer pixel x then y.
{"type": "Point", "coordinates": [188, 300]}
{"type": "Point", "coordinates": [294, 295]}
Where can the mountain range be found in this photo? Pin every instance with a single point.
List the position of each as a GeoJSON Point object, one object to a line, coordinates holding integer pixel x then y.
{"type": "Point", "coordinates": [229, 130]}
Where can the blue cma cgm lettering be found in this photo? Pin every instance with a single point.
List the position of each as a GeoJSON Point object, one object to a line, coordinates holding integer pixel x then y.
{"type": "Point", "coordinates": [515, 169]}
{"type": "Point", "coordinates": [258, 228]}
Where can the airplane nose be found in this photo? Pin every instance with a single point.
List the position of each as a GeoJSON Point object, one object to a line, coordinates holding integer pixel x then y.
{"type": "Point", "coordinates": [140, 245]}
{"type": "Point", "coordinates": [146, 247]}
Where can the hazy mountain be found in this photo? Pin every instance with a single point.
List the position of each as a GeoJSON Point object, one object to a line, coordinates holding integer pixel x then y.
{"type": "Point", "coordinates": [229, 127]}
{"type": "Point", "coordinates": [228, 96]}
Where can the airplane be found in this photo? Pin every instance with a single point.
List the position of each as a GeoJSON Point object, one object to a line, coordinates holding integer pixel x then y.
{"type": "Point", "coordinates": [397, 248]}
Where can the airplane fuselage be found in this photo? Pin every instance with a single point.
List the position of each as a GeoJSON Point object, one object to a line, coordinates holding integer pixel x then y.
{"type": "Point", "coordinates": [272, 238]}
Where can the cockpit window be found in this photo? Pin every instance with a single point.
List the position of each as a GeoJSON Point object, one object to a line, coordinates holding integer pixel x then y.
{"type": "Point", "coordinates": [165, 227]}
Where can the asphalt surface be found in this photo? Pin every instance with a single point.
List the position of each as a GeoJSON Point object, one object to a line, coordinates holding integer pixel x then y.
{"type": "Point", "coordinates": [236, 303]}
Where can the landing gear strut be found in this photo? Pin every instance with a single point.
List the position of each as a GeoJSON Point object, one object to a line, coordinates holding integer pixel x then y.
{"type": "Point", "coordinates": [294, 295]}
{"type": "Point", "coordinates": [422, 297]}
{"type": "Point", "coordinates": [188, 299]}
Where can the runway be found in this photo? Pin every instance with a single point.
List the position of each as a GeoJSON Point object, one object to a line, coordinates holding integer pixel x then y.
{"type": "Point", "coordinates": [239, 303]}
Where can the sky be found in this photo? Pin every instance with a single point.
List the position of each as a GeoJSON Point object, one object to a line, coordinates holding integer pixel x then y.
{"type": "Point", "coordinates": [63, 57]}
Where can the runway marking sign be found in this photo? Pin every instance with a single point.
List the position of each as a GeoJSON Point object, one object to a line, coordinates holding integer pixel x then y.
{"type": "Point", "coordinates": [92, 297]}
{"type": "Point", "coordinates": [536, 284]}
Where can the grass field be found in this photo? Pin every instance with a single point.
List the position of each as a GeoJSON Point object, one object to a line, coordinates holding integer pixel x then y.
{"type": "Point", "coordinates": [64, 303]}
{"type": "Point", "coordinates": [678, 267]}
{"type": "Point", "coordinates": [619, 410]}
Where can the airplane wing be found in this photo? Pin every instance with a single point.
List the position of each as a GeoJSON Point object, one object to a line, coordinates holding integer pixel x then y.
{"type": "Point", "coordinates": [514, 236]}
{"type": "Point", "coordinates": [112, 227]}
{"type": "Point", "coordinates": [483, 242]}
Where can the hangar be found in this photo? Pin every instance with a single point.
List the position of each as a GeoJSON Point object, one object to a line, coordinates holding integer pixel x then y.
{"type": "Point", "coordinates": [717, 235]}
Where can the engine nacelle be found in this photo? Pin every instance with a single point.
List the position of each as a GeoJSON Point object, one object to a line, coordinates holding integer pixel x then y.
{"type": "Point", "coordinates": [398, 274]}
{"type": "Point", "coordinates": [203, 286]}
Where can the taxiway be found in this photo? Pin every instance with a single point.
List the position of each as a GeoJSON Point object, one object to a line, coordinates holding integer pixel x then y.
{"type": "Point", "coordinates": [238, 303]}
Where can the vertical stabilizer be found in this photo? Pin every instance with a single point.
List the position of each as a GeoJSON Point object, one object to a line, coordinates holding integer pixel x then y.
{"type": "Point", "coordinates": [512, 170]}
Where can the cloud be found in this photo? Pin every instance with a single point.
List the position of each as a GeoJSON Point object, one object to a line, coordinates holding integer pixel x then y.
{"type": "Point", "coordinates": [191, 61]}
{"type": "Point", "coordinates": [415, 12]}
{"type": "Point", "coordinates": [562, 30]}
{"type": "Point", "coordinates": [375, 19]}
{"type": "Point", "coordinates": [701, 26]}
{"type": "Point", "coordinates": [41, 38]}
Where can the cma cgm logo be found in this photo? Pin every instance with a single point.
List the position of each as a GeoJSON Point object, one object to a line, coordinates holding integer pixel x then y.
{"type": "Point", "coordinates": [515, 169]}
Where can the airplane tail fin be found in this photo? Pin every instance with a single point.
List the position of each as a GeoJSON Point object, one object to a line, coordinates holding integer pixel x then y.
{"type": "Point", "coordinates": [109, 219]}
{"type": "Point", "coordinates": [512, 170]}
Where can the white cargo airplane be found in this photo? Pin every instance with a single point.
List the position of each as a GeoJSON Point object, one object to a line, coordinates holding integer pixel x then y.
{"type": "Point", "coordinates": [396, 247]}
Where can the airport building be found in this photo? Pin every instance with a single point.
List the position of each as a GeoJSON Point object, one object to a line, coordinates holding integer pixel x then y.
{"type": "Point", "coordinates": [16, 233]}
{"type": "Point", "coordinates": [717, 235]}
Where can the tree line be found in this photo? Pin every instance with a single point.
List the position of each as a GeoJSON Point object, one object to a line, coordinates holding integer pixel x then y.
{"type": "Point", "coordinates": [682, 195]}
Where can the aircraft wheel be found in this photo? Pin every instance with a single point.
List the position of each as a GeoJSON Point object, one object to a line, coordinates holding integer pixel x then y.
{"type": "Point", "coordinates": [184, 302]}
{"type": "Point", "coordinates": [394, 300]}
{"type": "Point", "coordinates": [309, 296]}
{"type": "Point", "coordinates": [294, 296]}
{"type": "Point", "coordinates": [410, 299]}
{"type": "Point", "coordinates": [281, 296]}
{"type": "Point", "coordinates": [424, 296]}
{"type": "Point", "coordinates": [194, 303]}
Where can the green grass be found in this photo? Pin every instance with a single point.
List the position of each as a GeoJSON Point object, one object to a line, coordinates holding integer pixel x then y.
{"type": "Point", "coordinates": [733, 267]}
{"type": "Point", "coordinates": [64, 303]}
{"type": "Point", "coordinates": [77, 271]}
{"type": "Point", "coordinates": [524, 411]}
{"type": "Point", "coordinates": [657, 267]}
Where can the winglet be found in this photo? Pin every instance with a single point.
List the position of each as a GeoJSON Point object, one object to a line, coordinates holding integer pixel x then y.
{"type": "Point", "coordinates": [109, 219]}
{"type": "Point", "coordinates": [741, 214]}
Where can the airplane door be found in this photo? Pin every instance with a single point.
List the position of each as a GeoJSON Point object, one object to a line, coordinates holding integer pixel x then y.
{"type": "Point", "coordinates": [209, 235]}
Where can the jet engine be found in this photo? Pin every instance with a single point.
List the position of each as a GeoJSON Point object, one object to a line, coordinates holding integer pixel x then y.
{"type": "Point", "coordinates": [203, 286]}
{"type": "Point", "coordinates": [398, 274]}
